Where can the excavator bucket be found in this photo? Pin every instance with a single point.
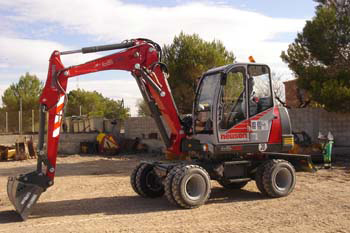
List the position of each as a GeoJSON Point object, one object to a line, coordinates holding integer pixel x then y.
{"type": "Point", "coordinates": [25, 190]}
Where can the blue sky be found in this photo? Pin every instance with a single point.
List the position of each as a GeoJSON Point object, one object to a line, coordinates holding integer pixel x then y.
{"type": "Point", "coordinates": [32, 29]}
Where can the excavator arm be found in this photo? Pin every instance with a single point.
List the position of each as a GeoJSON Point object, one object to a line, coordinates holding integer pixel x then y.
{"type": "Point", "coordinates": [142, 58]}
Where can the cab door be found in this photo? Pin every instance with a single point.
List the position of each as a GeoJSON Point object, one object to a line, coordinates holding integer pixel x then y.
{"type": "Point", "coordinates": [260, 103]}
{"type": "Point", "coordinates": [233, 122]}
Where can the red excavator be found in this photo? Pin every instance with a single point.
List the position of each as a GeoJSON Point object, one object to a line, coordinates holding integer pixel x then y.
{"type": "Point", "coordinates": [235, 134]}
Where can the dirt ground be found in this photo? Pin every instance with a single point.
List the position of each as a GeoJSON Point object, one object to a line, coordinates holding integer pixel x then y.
{"type": "Point", "coordinates": [93, 194]}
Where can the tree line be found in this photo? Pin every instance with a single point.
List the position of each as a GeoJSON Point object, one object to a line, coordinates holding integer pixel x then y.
{"type": "Point", "coordinates": [319, 58]}
{"type": "Point", "coordinates": [27, 90]}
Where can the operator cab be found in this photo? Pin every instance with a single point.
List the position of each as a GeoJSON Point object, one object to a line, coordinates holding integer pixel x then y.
{"type": "Point", "coordinates": [234, 106]}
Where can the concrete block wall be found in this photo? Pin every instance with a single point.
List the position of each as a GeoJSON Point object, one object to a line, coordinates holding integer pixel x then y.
{"type": "Point", "coordinates": [305, 119]}
{"type": "Point", "coordinates": [140, 127]}
{"type": "Point", "coordinates": [310, 120]}
{"type": "Point", "coordinates": [313, 120]}
{"type": "Point", "coordinates": [69, 143]}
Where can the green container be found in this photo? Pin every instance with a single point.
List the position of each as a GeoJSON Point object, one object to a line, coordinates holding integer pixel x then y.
{"type": "Point", "coordinates": [327, 154]}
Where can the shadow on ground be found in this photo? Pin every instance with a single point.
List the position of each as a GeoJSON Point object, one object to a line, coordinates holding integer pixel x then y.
{"type": "Point", "coordinates": [9, 216]}
{"type": "Point", "coordinates": [121, 205]}
{"type": "Point", "coordinates": [221, 195]}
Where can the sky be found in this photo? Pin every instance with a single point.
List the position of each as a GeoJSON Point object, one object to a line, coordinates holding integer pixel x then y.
{"type": "Point", "coordinates": [32, 29]}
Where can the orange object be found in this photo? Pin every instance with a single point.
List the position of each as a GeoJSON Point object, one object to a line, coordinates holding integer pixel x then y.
{"type": "Point", "coordinates": [251, 59]}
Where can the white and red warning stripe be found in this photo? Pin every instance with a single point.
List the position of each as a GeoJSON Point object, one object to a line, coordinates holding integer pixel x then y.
{"type": "Point", "coordinates": [58, 117]}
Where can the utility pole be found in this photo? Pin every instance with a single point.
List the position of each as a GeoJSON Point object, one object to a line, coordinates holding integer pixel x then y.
{"type": "Point", "coordinates": [33, 122]}
{"type": "Point", "coordinates": [7, 122]}
{"type": "Point", "coordinates": [20, 115]}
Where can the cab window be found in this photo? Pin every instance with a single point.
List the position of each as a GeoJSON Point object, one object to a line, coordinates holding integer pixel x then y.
{"type": "Point", "coordinates": [259, 89]}
{"type": "Point", "coordinates": [232, 105]}
{"type": "Point", "coordinates": [204, 103]}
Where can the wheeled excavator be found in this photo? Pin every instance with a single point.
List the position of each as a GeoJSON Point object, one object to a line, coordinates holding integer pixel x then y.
{"type": "Point", "coordinates": [234, 135]}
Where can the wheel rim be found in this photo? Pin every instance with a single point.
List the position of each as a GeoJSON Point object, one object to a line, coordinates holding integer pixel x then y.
{"type": "Point", "coordinates": [283, 179]}
{"type": "Point", "coordinates": [195, 187]}
{"type": "Point", "coordinates": [152, 182]}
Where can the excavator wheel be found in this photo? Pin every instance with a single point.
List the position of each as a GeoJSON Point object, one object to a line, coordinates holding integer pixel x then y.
{"type": "Point", "coordinates": [148, 184]}
{"type": "Point", "coordinates": [191, 186]}
{"type": "Point", "coordinates": [232, 185]}
{"type": "Point", "coordinates": [259, 178]}
{"type": "Point", "coordinates": [133, 179]}
{"type": "Point", "coordinates": [278, 178]}
{"type": "Point", "coordinates": [168, 185]}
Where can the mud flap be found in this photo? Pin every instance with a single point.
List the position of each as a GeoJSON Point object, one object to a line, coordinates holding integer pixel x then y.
{"type": "Point", "coordinates": [25, 190]}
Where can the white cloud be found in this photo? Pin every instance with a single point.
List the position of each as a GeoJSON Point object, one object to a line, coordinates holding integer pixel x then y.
{"type": "Point", "coordinates": [33, 55]}
{"type": "Point", "coordinates": [109, 21]}
{"type": "Point", "coordinates": [27, 54]}
{"type": "Point", "coordinates": [4, 65]}
{"type": "Point", "coordinates": [112, 20]}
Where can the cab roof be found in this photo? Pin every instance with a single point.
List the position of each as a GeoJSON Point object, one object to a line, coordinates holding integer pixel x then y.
{"type": "Point", "coordinates": [227, 68]}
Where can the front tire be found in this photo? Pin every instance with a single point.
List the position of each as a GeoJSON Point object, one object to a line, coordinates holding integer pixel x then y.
{"type": "Point", "coordinates": [279, 178]}
{"type": "Point", "coordinates": [191, 186]}
{"type": "Point", "coordinates": [148, 183]}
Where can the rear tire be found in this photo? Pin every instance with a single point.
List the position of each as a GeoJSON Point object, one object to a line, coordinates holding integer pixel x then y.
{"type": "Point", "coordinates": [148, 183]}
{"type": "Point", "coordinates": [168, 185]}
{"type": "Point", "coordinates": [259, 178]}
{"type": "Point", "coordinates": [279, 178]}
{"type": "Point", "coordinates": [133, 179]}
{"type": "Point", "coordinates": [191, 186]}
{"type": "Point", "coordinates": [232, 185]}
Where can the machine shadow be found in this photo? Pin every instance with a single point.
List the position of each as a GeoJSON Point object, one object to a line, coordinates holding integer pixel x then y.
{"type": "Point", "coordinates": [121, 205]}
{"type": "Point", "coordinates": [9, 216]}
{"type": "Point", "coordinates": [103, 166]}
{"type": "Point", "coordinates": [222, 195]}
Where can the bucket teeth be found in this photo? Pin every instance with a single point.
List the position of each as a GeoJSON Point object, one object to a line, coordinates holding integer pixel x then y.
{"type": "Point", "coordinates": [24, 194]}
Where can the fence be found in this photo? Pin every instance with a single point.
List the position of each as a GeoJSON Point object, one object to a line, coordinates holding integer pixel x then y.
{"type": "Point", "coordinates": [307, 119]}
{"type": "Point", "coordinates": [19, 122]}
{"type": "Point", "coordinates": [27, 122]}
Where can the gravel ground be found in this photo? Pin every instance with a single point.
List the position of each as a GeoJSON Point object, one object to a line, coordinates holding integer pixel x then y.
{"type": "Point", "coordinates": [93, 194]}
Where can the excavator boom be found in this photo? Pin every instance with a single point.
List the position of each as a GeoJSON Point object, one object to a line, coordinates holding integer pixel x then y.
{"type": "Point", "coordinates": [142, 58]}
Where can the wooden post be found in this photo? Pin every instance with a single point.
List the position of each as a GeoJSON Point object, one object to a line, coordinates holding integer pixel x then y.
{"type": "Point", "coordinates": [33, 122]}
{"type": "Point", "coordinates": [7, 122]}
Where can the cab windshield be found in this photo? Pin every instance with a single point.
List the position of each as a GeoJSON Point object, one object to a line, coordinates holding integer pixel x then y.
{"type": "Point", "coordinates": [204, 103]}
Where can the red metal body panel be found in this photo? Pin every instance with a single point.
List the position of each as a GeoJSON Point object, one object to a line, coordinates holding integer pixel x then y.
{"type": "Point", "coordinates": [142, 53]}
{"type": "Point", "coordinates": [276, 128]}
{"type": "Point", "coordinates": [242, 127]}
